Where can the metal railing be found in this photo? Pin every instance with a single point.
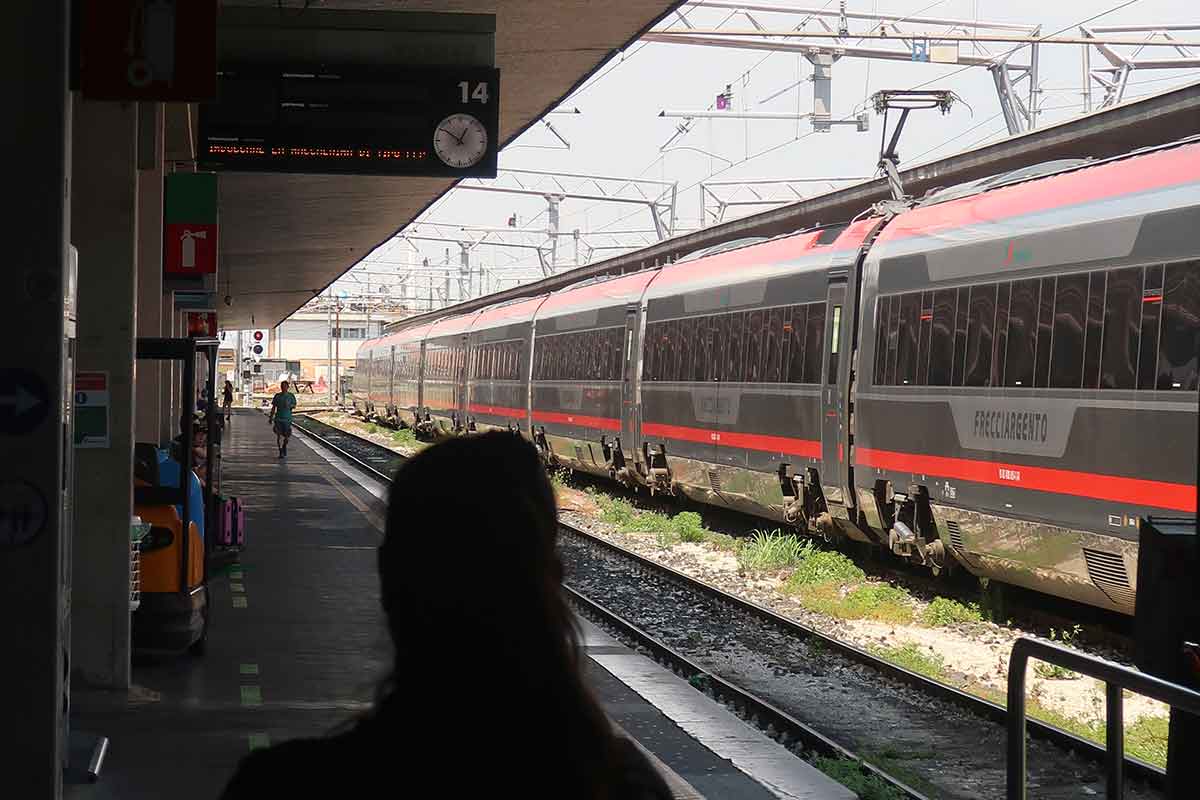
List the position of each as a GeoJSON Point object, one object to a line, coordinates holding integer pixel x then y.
{"type": "Point", "coordinates": [1115, 677]}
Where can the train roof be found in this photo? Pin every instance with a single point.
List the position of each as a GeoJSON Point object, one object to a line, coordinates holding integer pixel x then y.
{"type": "Point", "coordinates": [602, 293]}
{"type": "Point", "coordinates": [513, 312]}
{"type": "Point", "coordinates": [449, 326]}
{"type": "Point", "coordinates": [1148, 170]}
{"type": "Point", "coordinates": [796, 252]}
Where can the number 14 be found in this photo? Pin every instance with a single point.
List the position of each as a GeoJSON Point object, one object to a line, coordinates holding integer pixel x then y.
{"type": "Point", "coordinates": [480, 92]}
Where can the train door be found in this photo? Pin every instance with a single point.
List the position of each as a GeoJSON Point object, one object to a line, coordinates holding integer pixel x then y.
{"type": "Point", "coordinates": [630, 408]}
{"type": "Point", "coordinates": [833, 396]}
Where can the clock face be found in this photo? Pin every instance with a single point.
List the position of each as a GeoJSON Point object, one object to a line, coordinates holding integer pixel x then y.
{"type": "Point", "coordinates": [460, 141]}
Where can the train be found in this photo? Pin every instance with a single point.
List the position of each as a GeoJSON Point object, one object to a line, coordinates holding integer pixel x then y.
{"type": "Point", "coordinates": [1000, 377]}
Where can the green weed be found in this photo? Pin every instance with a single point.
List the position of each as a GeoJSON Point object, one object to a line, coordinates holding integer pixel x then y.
{"type": "Point", "coordinates": [824, 566]}
{"type": "Point", "coordinates": [878, 601]}
{"type": "Point", "coordinates": [722, 541]}
{"type": "Point", "coordinates": [406, 437]}
{"type": "Point", "coordinates": [765, 552]}
{"type": "Point", "coordinates": [944, 611]}
{"type": "Point", "coordinates": [685, 526]}
{"type": "Point", "coordinates": [849, 773]}
{"type": "Point", "coordinates": [910, 656]}
{"type": "Point", "coordinates": [1053, 671]}
{"type": "Point", "coordinates": [689, 526]}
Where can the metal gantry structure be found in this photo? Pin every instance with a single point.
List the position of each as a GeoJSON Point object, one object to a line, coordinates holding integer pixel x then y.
{"type": "Point", "coordinates": [402, 278]}
{"type": "Point", "coordinates": [1114, 78]}
{"type": "Point", "coordinates": [718, 197]}
{"type": "Point", "coordinates": [823, 37]}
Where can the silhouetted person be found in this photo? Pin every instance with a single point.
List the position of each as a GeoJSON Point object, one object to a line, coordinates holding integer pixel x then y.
{"type": "Point", "coordinates": [487, 696]}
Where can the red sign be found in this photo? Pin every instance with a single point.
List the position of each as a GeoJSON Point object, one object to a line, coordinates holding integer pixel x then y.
{"type": "Point", "coordinates": [148, 49]}
{"type": "Point", "coordinates": [189, 248]}
{"type": "Point", "coordinates": [202, 323]}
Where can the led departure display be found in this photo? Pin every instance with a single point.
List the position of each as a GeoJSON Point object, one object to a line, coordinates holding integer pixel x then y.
{"type": "Point", "coordinates": [352, 121]}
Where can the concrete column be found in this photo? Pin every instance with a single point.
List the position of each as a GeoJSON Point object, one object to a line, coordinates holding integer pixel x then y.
{"type": "Point", "coordinates": [148, 427]}
{"type": "Point", "coordinates": [104, 205]}
{"type": "Point", "coordinates": [35, 544]}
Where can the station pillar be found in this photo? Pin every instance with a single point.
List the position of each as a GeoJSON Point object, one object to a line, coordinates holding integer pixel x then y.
{"type": "Point", "coordinates": [151, 319]}
{"type": "Point", "coordinates": [104, 216]}
{"type": "Point", "coordinates": [34, 543]}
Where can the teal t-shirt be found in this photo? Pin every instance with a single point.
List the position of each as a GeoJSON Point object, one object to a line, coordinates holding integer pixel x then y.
{"type": "Point", "coordinates": [284, 402]}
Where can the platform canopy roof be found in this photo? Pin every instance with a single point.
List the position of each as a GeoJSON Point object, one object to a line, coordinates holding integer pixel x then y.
{"type": "Point", "coordinates": [283, 236]}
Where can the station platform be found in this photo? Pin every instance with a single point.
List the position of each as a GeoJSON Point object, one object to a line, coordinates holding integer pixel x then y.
{"type": "Point", "coordinates": [297, 645]}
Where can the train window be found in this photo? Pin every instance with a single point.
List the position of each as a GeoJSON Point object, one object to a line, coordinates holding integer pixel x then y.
{"type": "Point", "coordinates": [1000, 333]}
{"type": "Point", "coordinates": [687, 348]}
{"type": "Point", "coordinates": [660, 348]}
{"type": "Point", "coordinates": [785, 341]}
{"type": "Point", "coordinates": [619, 338]}
{"type": "Point", "coordinates": [961, 306]}
{"type": "Point", "coordinates": [1179, 343]}
{"type": "Point", "coordinates": [1021, 349]}
{"type": "Point", "coordinates": [1070, 305]}
{"type": "Point", "coordinates": [926, 326]}
{"type": "Point", "coordinates": [883, 307]}
{"type": "Point", "coordinates": [1152, 295]}
{"type": "Point", "coordinates": [813, 343]}
{"type": "Point", "coordinates": [579, 356]}
{"type": "Point", "coordinates": [893, 339]}
{"type": "Point", "coordinates": [735, 346]}
{"type": "Point", "coordinates": [981, 317]}
{"type": "Point", "coordinates": [941, 338]}
{"type": "Point", "coordinates": [906, 349]}
{"type": "Point", "coordinates": [1122, 329]}
{"type": "Point", "coordinates": [703, 356]}
{"type": "Point", "coordinates": [648, 352]}
{"type": "Point", "coordinates": [795, 322]}
{"type": "Point", "coordinates": [1045, 333]}
{"type": "Point", "coordinates": [835, 337]}
{"type": "Point", "coordinates": [675, 360]}
{"type": "Point", "coordinates": [754, 346]}
{"type": "Point", "coordinates": [774, 334]}
{"type": "Point", "coordinates": [1095, 330]}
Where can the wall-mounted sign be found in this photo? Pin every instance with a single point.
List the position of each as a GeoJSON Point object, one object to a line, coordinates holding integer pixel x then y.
{"type": "Point", "coordinates": [148, 49]}
{"type": "Point", "coordinates": [303, 118]}
{"type": "Point", "coordinates": [91, 410]}
{"type": "Point", "coordinates": [190, 224]}
{"type": "Point", "coordinates": [202, 323]}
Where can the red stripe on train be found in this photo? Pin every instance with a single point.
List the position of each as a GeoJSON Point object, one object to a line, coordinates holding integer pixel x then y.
{"type": "Point", "coordinates": [1135, 491]}
{"type": "Point", "coordinates": [496, 411]}
{"type": "Point", "coordinates": [582, 420]}
{"type": "Point", "coordinates": [749, 441]}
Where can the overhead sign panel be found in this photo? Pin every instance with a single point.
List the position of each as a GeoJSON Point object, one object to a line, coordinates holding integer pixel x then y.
{"type": "Point", "coordinates": [354, 120]}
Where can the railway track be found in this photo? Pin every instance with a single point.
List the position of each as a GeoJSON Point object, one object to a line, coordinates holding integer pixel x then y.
{"type": "Point", "coordinates": [810, 691]}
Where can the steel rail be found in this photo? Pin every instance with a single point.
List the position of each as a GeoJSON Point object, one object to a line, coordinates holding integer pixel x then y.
{"type": "Point", "coordinates": [993, 712]}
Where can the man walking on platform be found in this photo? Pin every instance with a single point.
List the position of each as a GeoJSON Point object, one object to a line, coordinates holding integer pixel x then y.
{"type": "Point", "coordinates": [281, 415]}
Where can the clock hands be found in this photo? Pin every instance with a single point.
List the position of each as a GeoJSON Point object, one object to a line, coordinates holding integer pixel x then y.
{"type": "Point", "coordinates": [459, 139]}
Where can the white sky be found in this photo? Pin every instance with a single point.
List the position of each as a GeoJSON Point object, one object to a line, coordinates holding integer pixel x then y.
{"type": "Point", "coordinates": [619, 132]}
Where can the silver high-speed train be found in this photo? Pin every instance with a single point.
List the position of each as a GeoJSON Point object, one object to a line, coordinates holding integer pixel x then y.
{"type": "Point", "coordinates": [1002, 378]}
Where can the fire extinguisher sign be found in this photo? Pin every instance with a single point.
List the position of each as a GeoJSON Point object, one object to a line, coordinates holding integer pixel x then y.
{"type": "Point", "coordinates": [190, 224]}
